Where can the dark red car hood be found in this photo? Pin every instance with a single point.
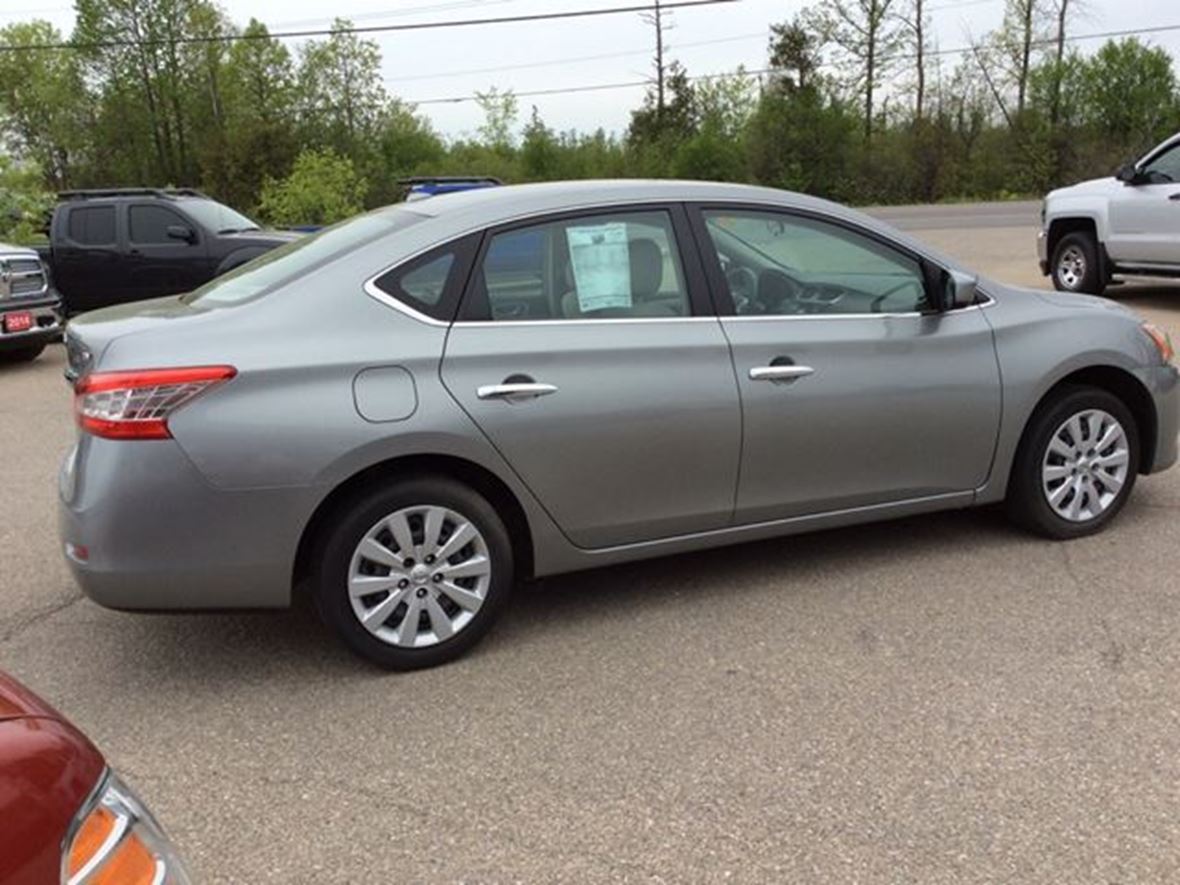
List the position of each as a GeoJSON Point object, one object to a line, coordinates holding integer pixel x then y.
{"type": "Point", "coordinates": [17, 702]}
{"type": "Point", "coordinates": [47, 769]}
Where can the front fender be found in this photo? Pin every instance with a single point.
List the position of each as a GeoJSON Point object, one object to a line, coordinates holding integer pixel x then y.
{"type": "Point", "coordinates": [1041, 342]}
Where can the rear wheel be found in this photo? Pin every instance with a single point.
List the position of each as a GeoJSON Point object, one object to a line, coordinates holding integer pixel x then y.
{"type": "Point", "coordinates": [413, 574]}
{"type": "Point", "coordinates": [21, 354]}
{"type": "Point", "coordinates": [1076, 465]}
{"type": "Point", "coordinates": [1076, 265]}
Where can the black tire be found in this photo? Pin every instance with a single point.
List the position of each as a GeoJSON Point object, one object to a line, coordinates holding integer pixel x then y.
{"type": "Point", "coordinates": [350, 524]}
{"type": "Point", "coordinates": [1027, 503]}
{"type": "Point", "coordinates": [1076, 265]}
{"type": "Point", "coordinates": [21, 354]}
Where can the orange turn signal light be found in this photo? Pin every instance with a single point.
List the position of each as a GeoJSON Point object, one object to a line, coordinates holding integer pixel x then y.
{"type": "Point", "coordinates": [1162, 341]}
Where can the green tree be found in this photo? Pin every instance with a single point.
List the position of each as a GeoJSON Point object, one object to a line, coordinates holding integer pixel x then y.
{"type": "Point", "coordinates": [1130, 91]}
{"type": "Point", "coordinates": [259, 108]}
{"type": "Point", "coordinates": [43, 101]}
{"type": "Point", "coordinates": [867, 39]}
{"type": "Point", "coordinates": [323, 188]}
{"type": "Point", "coordinates": [342, 97]}
{"type": "Point", "coordinates": [499, 116]}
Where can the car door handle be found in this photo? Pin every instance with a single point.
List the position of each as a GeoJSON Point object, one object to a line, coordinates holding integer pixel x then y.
{"type": "Point", "coordinates": [515, 391]}
{"type": "Point", "coordinates": [780, 373]}
{"type": "Point", "coordinates": [1175, 196]}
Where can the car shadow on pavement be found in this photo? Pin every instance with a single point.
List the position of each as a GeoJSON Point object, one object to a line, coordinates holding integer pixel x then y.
{"type": "Point", "coordinates": [215, 648]}
{"type": "Point", "coordinates": [1146, 296]}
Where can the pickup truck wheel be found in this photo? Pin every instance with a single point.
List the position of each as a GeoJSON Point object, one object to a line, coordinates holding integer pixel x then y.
{"type": "Point", "coordinates": [21, 354]}
{"type": "Point", "coordinates": [1076, 266]}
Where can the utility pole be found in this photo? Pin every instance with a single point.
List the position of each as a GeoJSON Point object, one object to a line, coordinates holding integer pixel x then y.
{"type": "Point", "coordinates": [655, 18]}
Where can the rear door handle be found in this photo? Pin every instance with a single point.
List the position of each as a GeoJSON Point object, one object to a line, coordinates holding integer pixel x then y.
{"type": "Point", "coordinates": [515, 392]}
{"type": "Point", "coordinates": [780, 373]}
{"type": "Point", "coordinates": [1175, 196]}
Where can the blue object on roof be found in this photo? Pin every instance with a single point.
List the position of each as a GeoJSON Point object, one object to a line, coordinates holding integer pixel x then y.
{"type": "Point", "coordinates": [421, 186]}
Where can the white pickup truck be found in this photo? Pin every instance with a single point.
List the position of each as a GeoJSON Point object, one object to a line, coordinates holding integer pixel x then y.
{"type": "Point", "coordinates": [1128, 224]}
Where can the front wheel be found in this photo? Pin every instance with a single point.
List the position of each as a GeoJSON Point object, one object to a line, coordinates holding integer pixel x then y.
{"type": "Point", "coordinates": [414, 573]}
{"type": "Point", "coordinates": [1075, 466]}
{"type": "Point", "coordinates": [1075, 264]}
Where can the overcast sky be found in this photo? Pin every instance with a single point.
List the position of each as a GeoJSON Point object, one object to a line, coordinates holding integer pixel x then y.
{"type": "Point", "coordinates": [438, 64]}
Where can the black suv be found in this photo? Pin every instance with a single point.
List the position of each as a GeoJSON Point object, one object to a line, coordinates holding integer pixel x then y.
{"type": "Point", "coordinates": [111, 246]}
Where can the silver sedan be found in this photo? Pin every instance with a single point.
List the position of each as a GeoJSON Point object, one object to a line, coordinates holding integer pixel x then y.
{"type": "Point", "coordinates": [405, 414]}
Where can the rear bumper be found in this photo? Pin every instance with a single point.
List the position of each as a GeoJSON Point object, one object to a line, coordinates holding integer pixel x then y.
{"type": "Point", "coordinates": [1164, 384]}
{"type": "Point", "coordinates": [47, 323]}
{"type": "Point", "coordinates": [142, 530]}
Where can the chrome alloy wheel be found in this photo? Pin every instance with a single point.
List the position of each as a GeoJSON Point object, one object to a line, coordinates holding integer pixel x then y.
{"type": "Point", "coordinates": [1085, 465]}
{"type": "Point", "coordinates": [419, 576]}
{"type": "Point", "coordinates": [1071, 267]}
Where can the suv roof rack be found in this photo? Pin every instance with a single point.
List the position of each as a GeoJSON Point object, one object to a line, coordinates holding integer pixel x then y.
{"type": "Point", "coordinates": [165, 192]}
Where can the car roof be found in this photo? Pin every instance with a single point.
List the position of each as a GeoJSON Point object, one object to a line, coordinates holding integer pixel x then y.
{"type": "Point", "coordinates": [489, 205]}
{"type": "Point", "coordinates": [454, 214]}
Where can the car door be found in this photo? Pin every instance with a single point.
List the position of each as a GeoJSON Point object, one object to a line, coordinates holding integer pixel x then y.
{"type": "Point", "coordinates": [1145, 216]}
{"type": "Point", "coordinates": [87, 260]}
{"type": "Point", "coordinates": [853, 391]}
{"type": "Point", "coordinates": [586, 353]}
{"type": "Point", "coordinates": [162, 262]}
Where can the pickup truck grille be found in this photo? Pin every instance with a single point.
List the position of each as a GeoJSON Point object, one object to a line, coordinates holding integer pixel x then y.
{"type": "Point", "coordinates": [21, 276]}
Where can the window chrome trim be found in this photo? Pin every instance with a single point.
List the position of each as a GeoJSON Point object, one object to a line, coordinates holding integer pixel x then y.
{"type": "Point", "coordinates": [383, 297]}
{"type": "Point", "coordinates": [502, 324]}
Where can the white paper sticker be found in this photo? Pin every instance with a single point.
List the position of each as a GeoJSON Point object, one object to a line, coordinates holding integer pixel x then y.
{"type": "Point", "coordinates": [601, 264]}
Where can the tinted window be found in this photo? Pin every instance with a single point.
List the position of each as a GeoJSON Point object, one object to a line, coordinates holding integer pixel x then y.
{"type": "Point", "coordinates": [273, 269]}
{"type": "Point", "coordinates": [1165, 168]}
{"type": "Point", "coordinates": [422, 283]}
{"type": "Point", "coordinates": [149, 224]}
{"type": "Point", "coordinates": [601, 266]}
{"type": "Point", "coordinates": [780, 264]}
{"type": "Point", "coordinates": [92, 225]}
{"type": "Point", "coordinates": [218, 218]}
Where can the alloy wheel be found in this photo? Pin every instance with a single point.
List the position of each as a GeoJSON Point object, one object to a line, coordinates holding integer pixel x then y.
{"type": "Point", "coordinates": [1085, 465]}
{"type": "Point", "coordinates": [419, 576]}
{"type": "Point", "coordinates": [1071, 267]}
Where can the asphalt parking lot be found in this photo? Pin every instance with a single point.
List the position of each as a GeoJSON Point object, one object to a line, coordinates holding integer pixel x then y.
{"type": "Point", "coordinates": [934, 699]}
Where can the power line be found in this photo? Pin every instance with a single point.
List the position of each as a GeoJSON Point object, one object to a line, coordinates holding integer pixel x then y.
{"type": "Point", "coordinates": [762, 35]}
{"type": "Point", "coordinates": [629, 84]}
{"type": "Point", "coordinates": [367, 29]}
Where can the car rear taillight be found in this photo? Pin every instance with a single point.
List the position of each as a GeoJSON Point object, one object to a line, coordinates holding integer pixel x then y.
{"type": "Point", "coordinates": [137, 404]}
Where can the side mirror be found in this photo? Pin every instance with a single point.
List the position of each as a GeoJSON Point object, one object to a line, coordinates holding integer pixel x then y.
{"type": "Point", "coordinates": [180, 232]}
{"type": "Point", "coordinates": [1128, 174]}
{"type": "Point", "coordinates": [958, 289]}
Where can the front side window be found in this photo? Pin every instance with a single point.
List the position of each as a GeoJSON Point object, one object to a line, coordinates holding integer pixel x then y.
{"type": "Point", "coordinates": [779, 264]}
{"type": "Point", "coordinates": [606, 266]}
{"type": "Point", "coordinates": [149, 224]}
{"type": "Point", "coordinates": [92, 225]}
{"type": "Point", "coordinates": [1165, 168]}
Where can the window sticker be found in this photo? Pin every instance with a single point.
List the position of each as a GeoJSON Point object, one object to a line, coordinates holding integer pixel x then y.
{"type": "Point", "coordinates": [601, 264]}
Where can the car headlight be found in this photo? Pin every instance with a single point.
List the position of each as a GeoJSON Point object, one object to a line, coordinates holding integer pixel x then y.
{"type": "Point", "coordinates": [1161, 340]}
{"type": "Point", "coordinates": [116, 841]}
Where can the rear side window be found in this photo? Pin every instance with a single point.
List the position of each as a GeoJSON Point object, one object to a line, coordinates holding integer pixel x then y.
{"type": "Point", "coordinates": [92, 225]}
{"type": "Point", "coordinates": [149, 224]}
{"type": "Point", "coordinates": [601, 266]}
{"type": "Point", "coordinates": [430, 284]}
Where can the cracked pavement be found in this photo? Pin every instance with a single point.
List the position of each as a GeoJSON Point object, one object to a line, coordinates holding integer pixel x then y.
{"type": "Point", "coordinates": [934, 699]}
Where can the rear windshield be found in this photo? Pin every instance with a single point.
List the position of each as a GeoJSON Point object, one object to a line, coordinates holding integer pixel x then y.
{"type": "Point", "coordinates": [273, 269]}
